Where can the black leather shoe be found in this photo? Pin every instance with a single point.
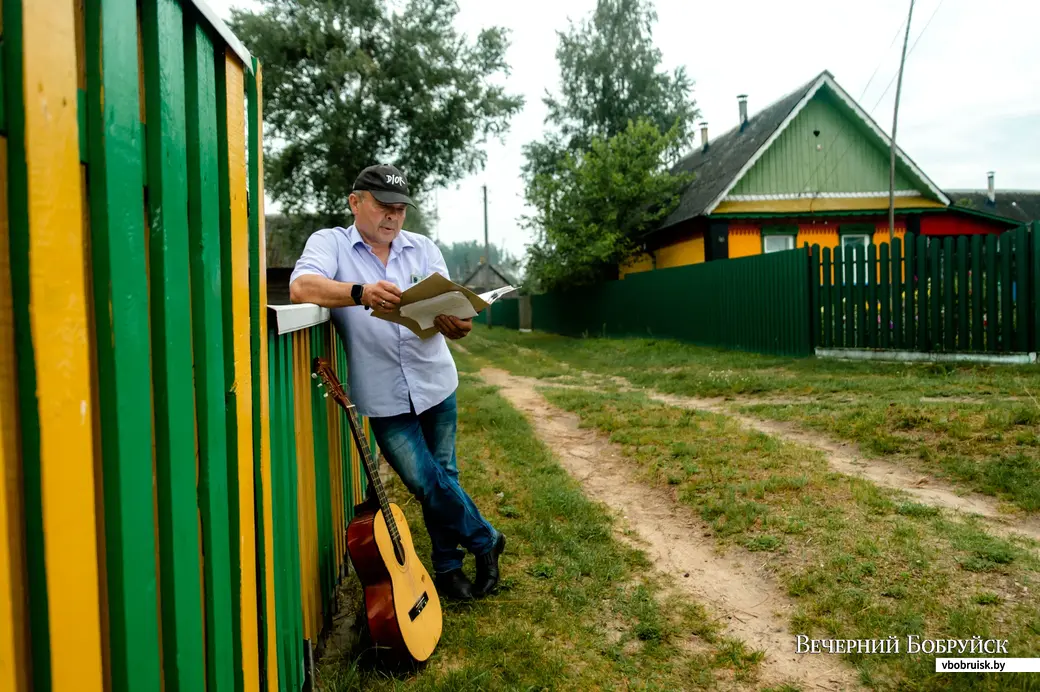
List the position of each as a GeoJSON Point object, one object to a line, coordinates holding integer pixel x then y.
{"type": "Point", "coordinates": [454, 585]}
{"type": "Point", "coordinates": [487, 568]}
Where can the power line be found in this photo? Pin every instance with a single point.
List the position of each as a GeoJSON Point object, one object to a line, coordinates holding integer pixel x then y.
{"type": "Point", "coordinates": [844, 129]}
{"type": "Point", "coordinates": [871, 111]}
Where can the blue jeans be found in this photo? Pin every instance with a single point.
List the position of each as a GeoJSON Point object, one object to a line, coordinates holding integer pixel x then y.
{"type": "Point", "coordinates": [421, 449]}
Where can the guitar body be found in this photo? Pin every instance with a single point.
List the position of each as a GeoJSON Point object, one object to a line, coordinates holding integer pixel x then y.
{"type": "Point", "coordinates": [404, 611]}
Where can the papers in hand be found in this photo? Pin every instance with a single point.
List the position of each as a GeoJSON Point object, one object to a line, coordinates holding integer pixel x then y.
{"type": "Point", "coordinates": [436, 295]}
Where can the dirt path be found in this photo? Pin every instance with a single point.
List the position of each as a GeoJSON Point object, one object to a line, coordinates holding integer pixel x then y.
{"type": "Point", "coordinates": [845, 458]}
{"type": "Point", "coordinates": [747, 603]}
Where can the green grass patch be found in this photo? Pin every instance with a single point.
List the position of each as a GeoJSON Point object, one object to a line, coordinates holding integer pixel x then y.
{"type": "Point", "coordinates": [975, 425]}
{"type": "Point", "coordinates": [577, 610]}
{"type": "Point", "coordinates": [861, 562]}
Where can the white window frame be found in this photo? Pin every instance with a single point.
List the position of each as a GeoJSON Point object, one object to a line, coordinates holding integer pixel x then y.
{"type": "Point", "coordinates": [867, 240]}
{"type": "Point", "coordinates": [788, 238]}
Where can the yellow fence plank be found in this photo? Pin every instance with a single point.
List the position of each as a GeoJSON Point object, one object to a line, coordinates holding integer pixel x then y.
{"type": "Point", "coordinates": [308, 517]}
{"type": "Point", "coordinates": [239, 271]}
{"type": "Point", "coordinates": [265, 402]}
{"type": "Point", "coordinates": [60, 333]}
{"type": "Point", "coordinates": [14, 632]}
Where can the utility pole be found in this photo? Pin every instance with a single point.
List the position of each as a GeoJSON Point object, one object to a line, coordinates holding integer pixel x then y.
{"type": "Point", "coordinates": [895, 122]}
{"type": "Point", "coordinates": [487, 252]}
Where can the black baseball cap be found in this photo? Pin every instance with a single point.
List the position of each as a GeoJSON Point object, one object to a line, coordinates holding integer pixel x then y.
{"type": "Point", "coordinates": [386, 183]}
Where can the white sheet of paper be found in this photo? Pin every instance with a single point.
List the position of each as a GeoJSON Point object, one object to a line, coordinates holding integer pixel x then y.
{"type": "Point", "coordinates": [450, 303]}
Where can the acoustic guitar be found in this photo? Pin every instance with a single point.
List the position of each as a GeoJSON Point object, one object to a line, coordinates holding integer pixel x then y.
{"type": "Point", "coordinates": [403, 609]}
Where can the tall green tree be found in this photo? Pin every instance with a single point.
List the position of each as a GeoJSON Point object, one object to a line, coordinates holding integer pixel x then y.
{"type": "Point", "coordinates": [599, 177]}
{"type": "Point", "coordinates": [350, 83]}
{"type": "Point", "coordinates": [610, 74]}
{"type": "Point", "coordinates": [594, 208]}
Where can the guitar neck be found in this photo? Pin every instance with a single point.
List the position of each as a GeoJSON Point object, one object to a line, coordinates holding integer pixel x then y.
{"type": "Point", "coordinates": [370, 467]}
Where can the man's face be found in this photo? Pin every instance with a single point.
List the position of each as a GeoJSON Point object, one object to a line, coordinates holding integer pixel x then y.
{"type": "Point", "coordinates": [379, 222]}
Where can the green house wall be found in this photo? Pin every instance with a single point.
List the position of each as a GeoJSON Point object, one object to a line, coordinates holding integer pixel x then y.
{"type": "Point", "coordinates": [850, 157]}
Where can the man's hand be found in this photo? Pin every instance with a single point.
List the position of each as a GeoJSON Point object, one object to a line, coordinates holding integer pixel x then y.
{"type": "Point", "coordinates": [382, 296]}
{"type": "Point", "coordinates": [452, 327]}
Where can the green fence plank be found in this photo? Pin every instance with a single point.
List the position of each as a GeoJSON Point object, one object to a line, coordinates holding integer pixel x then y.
{"type": "Point", "coordinates": [977, 296]}
{"type": "Point", "coordinates": [963, 294]}
{"type": "Point", "coordinates": [935, 324]}
{"type": "Point", "coordinates": [1034, 253]}
{"type": "Point", "coordinates": [208, 338]}
{"type": "Point", "coordinates": [277, 425]}
{"type": "Point", "coordinates": [949, 335]}
{"type": "Point", "coordinates": [3, 93]}
{"type": "Point", "coordinates": [847, 305]}
{"type": "Point", "coordinates": [992, 317]}
{"type": "Point", "coordinates": [293, 514]}
{"type": "Point", "coordinates": [1021, 259]}
{"type": "Point", "coordinates": [120, 280]}
{"type": "Point", "coordinates": [921, 280]}
{"type": "Point", "coordinates": [870, 277]}
{"type": "Point", "coordinates": [885, 297]}
{"type": "Point", "coordinates": [182, 627]}
{"type": "Point", "coordinates": [827, 297]}
{"type": "Point", "coordinates": [319, 426]}
{"type": "Point", "coordinates": [898, 299]}
{"type": "Point", "coordinates": [1007, 311]}
{"type": "Point", "coordinates": [910, 289]}
{"type": "Point", "coordinates": [859, 297]}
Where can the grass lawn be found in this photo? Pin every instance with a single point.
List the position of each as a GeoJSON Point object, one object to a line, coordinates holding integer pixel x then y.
{"type": "Point", "coordinates": [974, 425]}
{"type": "Point", "coordinates": [576, 611]}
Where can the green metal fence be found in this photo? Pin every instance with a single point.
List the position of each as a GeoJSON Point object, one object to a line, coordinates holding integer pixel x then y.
{"type": "Point", "coordinates": [757, 303]}
{"type": "Point", "coordinates": [504, 313]}
{"type": "Point", "coordinates": [967, 294]}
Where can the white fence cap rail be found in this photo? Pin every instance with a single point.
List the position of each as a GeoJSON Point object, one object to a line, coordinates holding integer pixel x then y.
{"type": "Point", "coordinates": [224, 31]}
{"type": "Point", "coordinates": [293, 318]}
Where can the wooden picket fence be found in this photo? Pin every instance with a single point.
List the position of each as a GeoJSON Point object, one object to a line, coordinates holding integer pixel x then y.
{"type": "Point", "coordinates": [978, 294]}
{"type": "Point", "coordinates": [173, 490]}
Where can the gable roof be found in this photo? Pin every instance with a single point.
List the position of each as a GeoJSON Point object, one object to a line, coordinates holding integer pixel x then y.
{"type": "Point", "coordinates": [1019, 206]}
{"type": "Point", "coordinates": [729, 157]}
{"type": "Point", "coordinates": [485, 268]}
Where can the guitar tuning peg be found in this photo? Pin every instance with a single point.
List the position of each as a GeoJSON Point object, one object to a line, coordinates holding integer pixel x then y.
{"type": "Point", "coordinates": [320, 385]}
{"type": "Point", "coordinates": [325, 395]}
{"type": "Point", "coordinates": [314, 375]}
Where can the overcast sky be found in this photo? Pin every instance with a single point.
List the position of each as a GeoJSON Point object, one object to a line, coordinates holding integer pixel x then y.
{"type": "Point", "coordinates": [970, 101]}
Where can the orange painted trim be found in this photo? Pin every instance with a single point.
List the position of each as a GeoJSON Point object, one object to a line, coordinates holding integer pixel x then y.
{"type": "Point", "coordinates": [239, 271]}
{"type": "Point", "coordinates": [61, 334]}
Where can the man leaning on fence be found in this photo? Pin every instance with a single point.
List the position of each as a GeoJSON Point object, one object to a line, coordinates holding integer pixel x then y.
{"type": "Point", "coordinates": [404, 385]}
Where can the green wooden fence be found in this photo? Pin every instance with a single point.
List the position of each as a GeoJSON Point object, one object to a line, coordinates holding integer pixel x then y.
{"type": "Point", "coordinates": [757, 303]}
{"type": "Point", "coordinates": [975, 294]}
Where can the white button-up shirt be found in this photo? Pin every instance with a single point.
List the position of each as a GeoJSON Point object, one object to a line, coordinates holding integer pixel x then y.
{"type": "Point", "coordinates": [387, 362]}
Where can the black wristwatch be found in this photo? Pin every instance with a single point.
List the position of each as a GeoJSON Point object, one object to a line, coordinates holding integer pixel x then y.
{"type": "Point", "coordinates": [356, 291]}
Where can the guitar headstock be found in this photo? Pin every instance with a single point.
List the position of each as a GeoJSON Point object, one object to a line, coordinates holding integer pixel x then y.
{"type": "Point", "coordinates": [322, 370]}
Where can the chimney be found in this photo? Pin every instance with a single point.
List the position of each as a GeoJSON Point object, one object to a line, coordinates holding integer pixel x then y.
{"type": "Point", "coordinates": [992, 192]}
{"type": "Point", "coordinates": [742, 103]}
{"type": "Point", "coordinates": [704, 134]}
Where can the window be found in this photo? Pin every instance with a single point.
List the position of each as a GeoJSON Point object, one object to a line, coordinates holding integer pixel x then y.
{"type": "Point", "coordinates": [778, 238]}
{"type": "Point", "coordinates": [855, 240]}
{"type": "Point", "coordinates": [777, 243]}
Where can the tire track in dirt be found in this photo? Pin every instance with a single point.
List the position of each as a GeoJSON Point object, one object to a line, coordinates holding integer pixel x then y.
{"type": "Point", "coordinates": [844, 458]}
{"type": "Point", "coordinates": [749, 604]}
